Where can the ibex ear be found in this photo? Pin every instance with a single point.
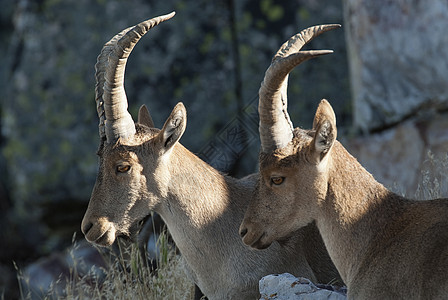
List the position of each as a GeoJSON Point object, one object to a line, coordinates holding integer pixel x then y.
{"type": "Point", "coordinates": [144, 117]}
{"type": "Point", "coordinates": [174, 126]}
{"type": "Point", "coordinates": [324, 125]}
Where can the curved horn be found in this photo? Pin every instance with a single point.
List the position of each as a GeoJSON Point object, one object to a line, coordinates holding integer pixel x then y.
{"type": "Point", "coordinates": [276, 129]}
{"type": "Point", "coordinates": [110, 96]}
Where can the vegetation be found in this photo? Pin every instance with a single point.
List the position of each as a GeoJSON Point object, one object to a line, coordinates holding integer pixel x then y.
{"type": "Point", "coordinates": [434, 178]}
{"type": "Point", "coordinates": [127, 276]}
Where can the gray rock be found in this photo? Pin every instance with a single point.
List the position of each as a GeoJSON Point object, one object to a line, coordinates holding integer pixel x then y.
{"type": "Point", "coordinates": [288, 287]}
{"type": "Point", "coordinates": [52, 274]}
{"type": "Point", "coordinates": [386, 155]}
{"type": "Point", "coordinates": [398, 59]}
{"type": "Point", "coordinates": [410, 158]}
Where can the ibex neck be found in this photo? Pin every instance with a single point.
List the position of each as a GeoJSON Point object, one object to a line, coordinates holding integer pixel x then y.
{"type": "Point", "coordinates": [355, 212]}
{"type": "Point", "coordinates": [198, 200]}
{"type": "Point", "coordinates": [201, 192]}
{"type": "Point", "coordinates": [202, 210]}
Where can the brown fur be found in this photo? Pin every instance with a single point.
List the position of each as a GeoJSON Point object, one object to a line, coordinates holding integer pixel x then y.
{"type": "Point", "coordinates": [383, 245]}
{"type": "Point", "coordinates": [201, 207]}
{"type": "Point", "coordinates": [143, 169]}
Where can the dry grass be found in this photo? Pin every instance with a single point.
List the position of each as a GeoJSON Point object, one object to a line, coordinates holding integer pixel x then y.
{"type": "Point", "coordinates": [434, 178]}
{"type": "Point", "coordinates": [127, 276]}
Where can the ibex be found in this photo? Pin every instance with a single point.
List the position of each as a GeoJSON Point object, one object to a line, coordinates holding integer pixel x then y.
{"type": "Point", "coordinates": [384, 246]}
{"type": "Point", "coordinates": [144, 169]}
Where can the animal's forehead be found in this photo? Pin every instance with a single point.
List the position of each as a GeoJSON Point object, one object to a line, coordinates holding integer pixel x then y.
{"type": "Point", "coordinates": [117, 152]}
{"type": "Point", "coordinates": [289, 155]}
{"type": "Point", "coordinates": [142, 135]}
{"type": "Point", "coordinates": [127, 148]}
{"type": "Point", "coordinates": [146, 131]}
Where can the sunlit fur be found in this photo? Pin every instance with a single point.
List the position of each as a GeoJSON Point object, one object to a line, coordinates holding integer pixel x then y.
{"type": "Point", "coordinates": [384, 246]}
{"type": "Point", "coordinates": [202, 209]}
{"type": "Point", "coordinates": [148, 170]}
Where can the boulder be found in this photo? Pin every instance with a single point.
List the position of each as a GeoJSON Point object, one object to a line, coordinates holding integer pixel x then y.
{"type": "Point", "coordinates": [288, 287]}
{"type": "Point", "coordinates": [398, 59]}
{"type": "Point", "coordinates": [409, 158]}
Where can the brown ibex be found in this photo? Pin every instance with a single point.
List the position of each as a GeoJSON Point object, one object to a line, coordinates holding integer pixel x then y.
{"type": "Point", "coordinates": [384, 246]}
{"type": "Point", "coordinates": [144, 169]}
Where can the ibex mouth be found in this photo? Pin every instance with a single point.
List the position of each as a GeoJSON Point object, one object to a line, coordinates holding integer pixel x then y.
{"type": "Point", "coordinates": [101, 233]}
{"type": "Point", "coordinates": [254, 241]}
{"type": "Point", "coordinates": [106, 240]}
{"type": "Point", "coordinates": [259, 244]}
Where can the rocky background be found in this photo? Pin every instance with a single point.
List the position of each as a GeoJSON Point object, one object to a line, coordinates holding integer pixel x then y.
{"type": "Point", "coordinates": [386, 81]}
{"type": "Point", "coordinates": [398, 76]}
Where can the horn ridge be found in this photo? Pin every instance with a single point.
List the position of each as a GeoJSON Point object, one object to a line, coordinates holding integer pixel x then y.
{"type": "Point", "coordinates": [275, 127]}
{"type": "Point", "coordinates": [296, 42]}
{"type": "Point", "coordinates": [110, 96]}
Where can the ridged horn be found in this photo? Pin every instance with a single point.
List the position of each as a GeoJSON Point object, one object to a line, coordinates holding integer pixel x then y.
{"type": "Point", "coordinates": [276, 128]}
{"type": "Point", "coordinates": [110, 96]}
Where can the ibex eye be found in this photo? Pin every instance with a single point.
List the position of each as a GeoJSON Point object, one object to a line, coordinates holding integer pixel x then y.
{"type": "Point", "coordinates": [277, 180]}
{"type": "Point", "coordinates": [123, 168]}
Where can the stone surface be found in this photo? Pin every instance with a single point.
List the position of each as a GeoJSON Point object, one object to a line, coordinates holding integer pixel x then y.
{"type": "Point", "coordinates": [288, 287]}
{"type": "Point", "coordinates": [51, 274]}
{"type": "Point", "coordinates": [398, 69]}
{"type": "Point", "coordinates": [410, 158]}
{"type": "Point", "coordinates": [398, 59]}
{"type": "Point", "coordinates": [393, 157]}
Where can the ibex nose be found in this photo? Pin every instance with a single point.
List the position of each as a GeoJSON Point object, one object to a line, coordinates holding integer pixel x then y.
{"type": "Point", "coordinates": [243, 231]}
{"type": "Point", "coordinates": [86, 226]}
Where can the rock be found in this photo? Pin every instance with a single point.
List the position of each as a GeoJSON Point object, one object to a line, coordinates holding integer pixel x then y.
{"type": "Point", "coordinates": [387, 154]}
{"type": "Point", "coordinates": [52, 273]}
{"type": "Point", "coordinates": [288, 287]}
{"type": "Point", "coordinates": [398, 70]}
{"type": "Point", "coordinates": [398, 59]}
{"type": "Point", "coordinates": [409, 158]}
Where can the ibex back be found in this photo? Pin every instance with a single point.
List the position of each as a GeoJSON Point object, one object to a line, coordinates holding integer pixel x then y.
{"type": "Point", "coordinates": [144, 169]}
{"type": "Point", "coordinates": [383, 245]}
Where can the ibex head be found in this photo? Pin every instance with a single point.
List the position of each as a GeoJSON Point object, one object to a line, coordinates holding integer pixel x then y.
{"type": "Point", "coordinates": [291, 160]}
{"type": "Point", "coordinates": [116, 206]}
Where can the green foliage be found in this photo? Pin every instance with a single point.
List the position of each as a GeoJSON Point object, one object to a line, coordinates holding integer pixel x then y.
{"type": "Point", "coordinates": [272, 11]}
{"type": "Point", "coordinates": [304, 14]}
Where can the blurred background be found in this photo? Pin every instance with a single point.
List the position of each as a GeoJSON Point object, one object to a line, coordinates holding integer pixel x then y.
{"type": "Point", "coordinates": [387, 81]}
